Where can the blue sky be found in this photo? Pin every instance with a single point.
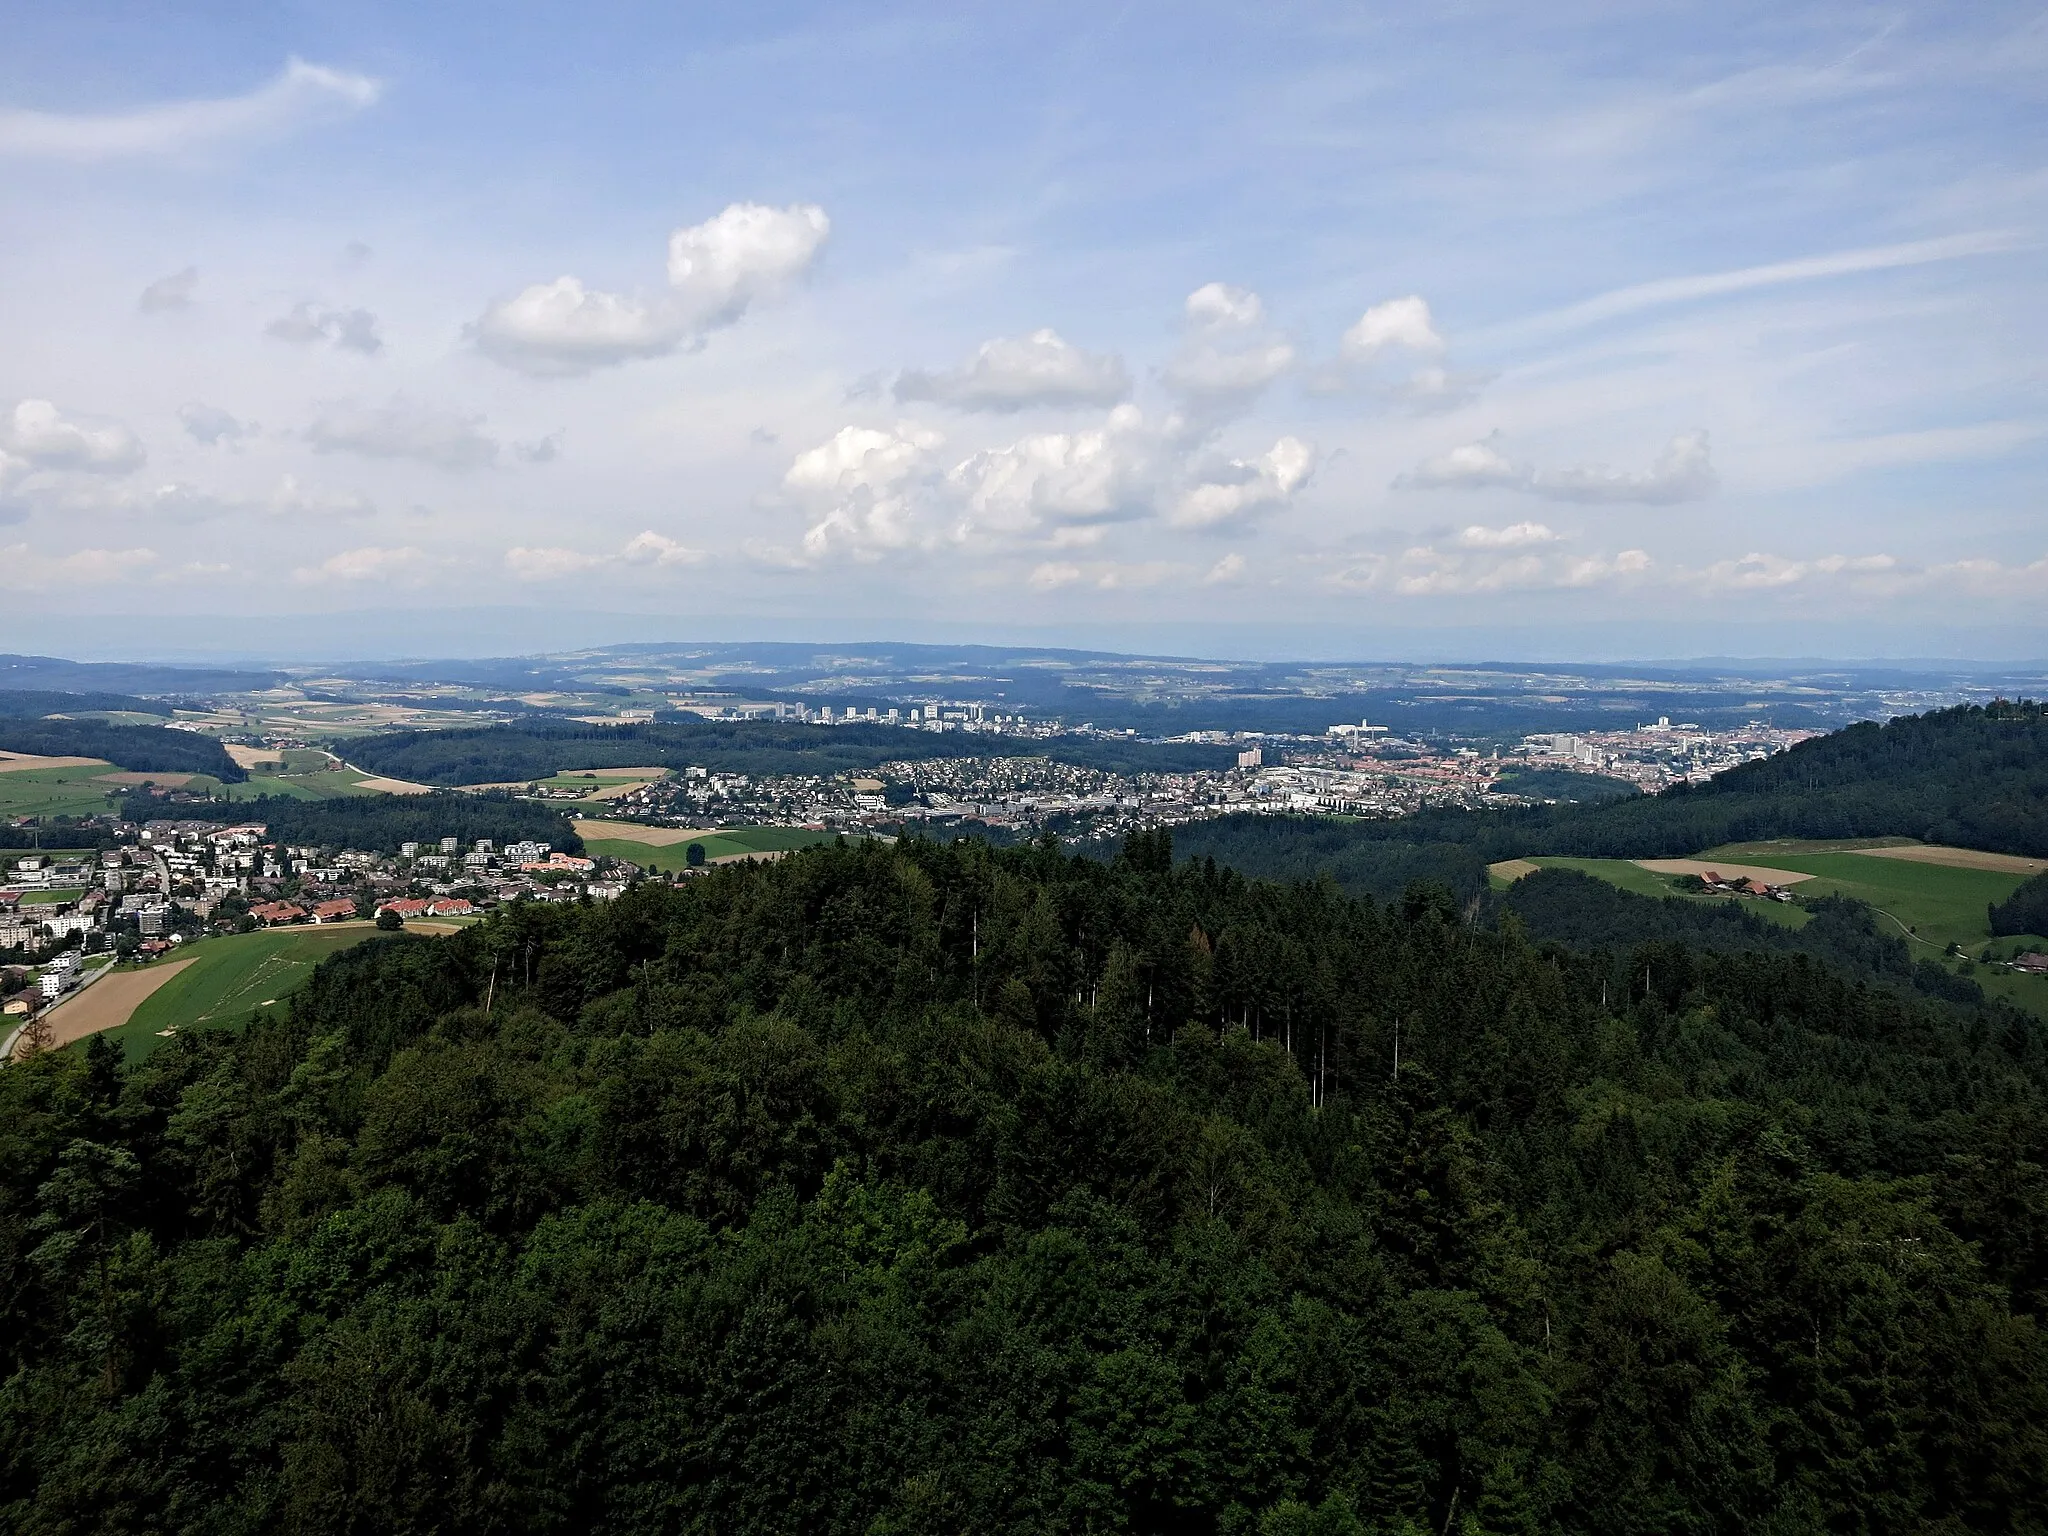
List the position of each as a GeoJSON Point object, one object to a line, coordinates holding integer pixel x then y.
{"type": "Point", "coordinates": [1675, 324]}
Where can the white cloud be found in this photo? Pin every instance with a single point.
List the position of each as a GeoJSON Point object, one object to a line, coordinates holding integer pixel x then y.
{"type": "Point", "coordinates": [1396, 323]}
{"type": "Point", "coordinates": [1052, 575]}
{"type": "Point", "coordinates": [543, 450]}
{"type": "Point", "coordinates": [1225, 571]}
{"type": "Point", "coordinates": [211, 425]}
{"type": "Point", "coordinates": [1514, 536]}
{"type": "Point", "coordinates": [1093, 476]}
{"type": "Point", "coordinates": [747, 252]}
{"type": "Point", "coordinates": [368, 564]}
{"type": "Point", "coordinates": [291, 499]}
{"type": "Point", "coordinates": [300, 93]}
{"type": "Point", "coordinates": [866, 483]}
{"type": "Point", "coordinates": [560, 329]}
{"type": "Point", "coordinates": [44, 438]}
{"type": "Point", "coordinates": [1227, 358]}
{"type": "Point", "coordinates": [1244, 487]}
{"type": "Point", "coordinates": [646, 549]}
{"type": "Point", "coordinates": [1677, 290]}
{"type": "Point", "coordinates": [21, 567]}
{"type": "Point", "coordinates": [353, 330]}
{"type": "Point", "coordinates": [1012, 373]}
{"type": "Point", "coordinates": [402, 430]}
{"type": "Point", "coordinates": [548, 564]}
{"type": "Point", "coordinates": [1596, 571]}
{"type": "Point", "coordinates": [1220, 304]}
{"type": "Point", "coordinates": [1683, 471]}
{"type": "Point", "coordinates": [1482, 567]}
{"type": "Point", "coordinates": [1470, 465]}
{"type": "Point", "coordinates": [173, 292]}
{"type": "Point", "coordinates": [655, 549]}
{"type": "Point", "coordinates": [716, 270]}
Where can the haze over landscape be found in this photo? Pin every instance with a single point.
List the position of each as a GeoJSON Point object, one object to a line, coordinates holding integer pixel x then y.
{"type": "Point", "coordinates": [1591, 331]}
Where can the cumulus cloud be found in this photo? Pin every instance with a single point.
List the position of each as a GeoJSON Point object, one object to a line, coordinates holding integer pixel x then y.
{"type": "Point", "coordinates": [371, 563]}
{"type": "Point", "coordinates": [352, 330]}
{"type": "Point", "coordinates": [541, 451]}
{"type": "Point", "coordinates": [1228, 356]}
{"type": "Point", "coordinates": [42, 437]}
{"type": "Point", "coordinates": [1012, 373]}
{"type": "Point", "coordinates": [716, 271]}
{"type": "Point", "coordinates": [548, 564]}
{"type": "Point", "coordinates": [646, 549]}
{"type": "Point", "coordinates": [1514, 536]}
{"type": "Point", "coordinates": [22, 567]}
{"type": "Point", "coordinates": [1052, 575]}
{"type": "Point", "coordinates": [1684, 471]}
{"type": "Point", "coordinates": [1225, 571]}
{"type": "Point", "coordinates": [291, 498]}
{"type": "Point", "coordinates": [173, 292]}
{"type": "Point", "coordinates": [1220, 304]}
{"type": "Point", "coordinates": [402, 430]}
{"type": "Point", "coordinates": [301, 93]}
{"type": "Point", "coordinates": [1397, 323]}
{"type": "Point", "coordinates": [211, 425]}
{"type": "Point", "coordinates": [864, 483]}
{"type": "Point", "coordinates": [1480, 567]}
{"type": "Point", "coordinates": [1094, 476]}
{"type": "Point", "coordinates": [659, 550]}
{"type": "Point", "coordinates": [1244, 487]}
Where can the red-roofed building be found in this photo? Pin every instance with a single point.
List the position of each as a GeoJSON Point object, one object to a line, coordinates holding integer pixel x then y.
{"type": "Point", "coordinates": [274, 913]}
{"type": "Point", "coordinates": [334, 911]}
{"type": "Point", "coordinates": [449, 906]}
{"type": "Point", "coordinates": [405, 906]}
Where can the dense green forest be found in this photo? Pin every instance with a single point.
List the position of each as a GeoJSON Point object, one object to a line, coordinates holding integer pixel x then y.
{"type": "Point", "coordinates": [24, 703]}
{"type": "Point", "coordinates": [377, 821]}
{"type": "Point", "coordinates": [506, 754]}
{"type": "Point", "coordinates": [894, 1189]}
{"type": "Point", "coordinates": [138, 748]}
{"type": "Point", "coordinates": [1975, 777]}
{"type": "Point", "coordinates": [2025, 911]}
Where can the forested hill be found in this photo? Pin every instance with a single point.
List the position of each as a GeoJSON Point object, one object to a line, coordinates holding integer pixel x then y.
{"type": "Point", "coordinates": [507, 754]}
{"type": "Point", "coordinates": [138, 748]}
{"type": "Point", "coordinates": [894, 1189]}
{"type": "Point", "coordinates": [377, 821]}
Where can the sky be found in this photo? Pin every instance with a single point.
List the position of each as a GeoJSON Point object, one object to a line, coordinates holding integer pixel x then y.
{"type": "Point", "coordinates": [1590, 328]}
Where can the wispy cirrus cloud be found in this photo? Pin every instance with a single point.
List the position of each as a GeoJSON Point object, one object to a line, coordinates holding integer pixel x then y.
{"type": "Point", "coordinates": [300, 94]}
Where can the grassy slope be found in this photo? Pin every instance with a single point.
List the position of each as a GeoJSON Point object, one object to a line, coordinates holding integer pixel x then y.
{"type": "Point", "coordinates": [1933, 904]}
{"type": "Point", "coordinates": [229, 978]}
{"type": "Point", "coordinates": [326, 785]}
{"type": "Point", "coordinates": [54, 791]}
{"type": "Point", "coordinates": [716, 845]}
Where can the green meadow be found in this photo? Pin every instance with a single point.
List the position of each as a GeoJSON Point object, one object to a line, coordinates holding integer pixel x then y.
{"type": "Point", "coordinates": [716, 845]}
{"type": "Point", "coordinates": [230, 978]}
{"type": "Point", "coordinates": [54, 791]}
{"type": "Point", "coordinates": [328, 784]}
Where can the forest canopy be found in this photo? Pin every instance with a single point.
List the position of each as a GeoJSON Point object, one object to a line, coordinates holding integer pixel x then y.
{"type": "Point", "coordinates": [936, 1189]}
{"type": "Point", "coordinates": [377, 821]}
{"type": "Point", "coordinates": [137, 748]}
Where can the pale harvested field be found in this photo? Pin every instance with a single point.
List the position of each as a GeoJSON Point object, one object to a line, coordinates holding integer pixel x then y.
{"type": "Point", "coordinates": [395, 786]}
{"type": "Point", "coordinates": [1512, 869]}
{"type": "Point", "coordinates": [613, 791]}
{"type": "Point", "coordinates": [1725, 871]}
{"type": "Point", "coordinates": [107, 1004]}
{"type": "Point", "coordinates": [22, 762]}
{"type": "Point", "coordinates": [1959, 858]}
{"type": "Point", "coordinates": [765, 856]}
{"type": "Point", "coordinates": [249, 757]}
{"type": "Point", "coordinates": [627, 832]}
{"type": "Point", "coordinates": [167, 780]}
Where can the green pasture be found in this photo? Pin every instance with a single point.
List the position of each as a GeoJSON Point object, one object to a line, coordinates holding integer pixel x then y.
{"type": "Point", "coordinates": [1928, 905]}
{"type": "Point", "coordinates": [716, 845]}
{"type": "Point", "coordinates": [329, 784]}
{"type": "Point", "coordinates": [230, 978]}
{"type": "Point", "coordinates": [54, 791]}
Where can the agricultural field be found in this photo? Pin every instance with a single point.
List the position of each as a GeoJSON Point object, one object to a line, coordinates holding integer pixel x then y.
{"type": "Point", "coordinates": [328, 784]}
{"type": "Point", "coordinates": [668, 849]}
{"type": "Point", "coordinates": [223, 980]}
{"type": "Point", "coordinates": [1931, 905]}
{"type": "Point", "coordinates": [55, 789]}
